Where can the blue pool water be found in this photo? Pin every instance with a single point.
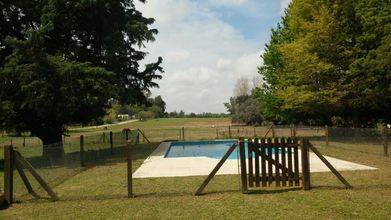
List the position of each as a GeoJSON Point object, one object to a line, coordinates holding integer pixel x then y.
{"type": "Point", "coordinates": [212, 149]}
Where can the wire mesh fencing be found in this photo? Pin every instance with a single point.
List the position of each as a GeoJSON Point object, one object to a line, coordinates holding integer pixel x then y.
{"type": "Point", "coordinates": [365, 140]}
{"type": "Point", "coordinates": [228, 132]}
{"type": "Point", "coordinates": [56, 163]}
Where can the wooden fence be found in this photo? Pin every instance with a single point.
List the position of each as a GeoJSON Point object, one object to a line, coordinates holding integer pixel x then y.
{"type": "Point", "coordinates": [274, 161]}
{"type": "Point", "coordinates": [13, 159]}
{"type": "Point", "coordinates": [271, 161]}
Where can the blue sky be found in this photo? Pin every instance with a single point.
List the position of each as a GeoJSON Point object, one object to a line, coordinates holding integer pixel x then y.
{"type": "Point", "coordinates": [207, 45]}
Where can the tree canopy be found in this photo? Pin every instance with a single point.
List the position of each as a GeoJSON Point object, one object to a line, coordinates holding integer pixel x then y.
{"type": "Point", "coordinates": [243, 106]}
{"type": "Point", "coordinates": [62, 61]}
{"type": "Point", "coordinates": [328, 58]}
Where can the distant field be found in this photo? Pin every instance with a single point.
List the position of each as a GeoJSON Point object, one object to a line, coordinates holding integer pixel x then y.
{"type": "Point", "coordinates": [162, 123]}
{"type": "Point", "coordinates": [171, 126]}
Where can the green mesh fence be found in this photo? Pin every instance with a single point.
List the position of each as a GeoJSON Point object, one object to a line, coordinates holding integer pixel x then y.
{"type": "Point", "coordinates": [98, 149]}
{"type": "Point", "coordinates": [227, 132]}
{"type": "Point", "coordinates": [55, 163]}
{"type": "Point", "coordinates": [58, 162]}
{"type": "Point", "coordinates": [365, 140]}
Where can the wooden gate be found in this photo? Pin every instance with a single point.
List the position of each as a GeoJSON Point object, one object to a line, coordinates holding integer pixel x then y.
{"type": "Point", "coordinates": [274, 161]}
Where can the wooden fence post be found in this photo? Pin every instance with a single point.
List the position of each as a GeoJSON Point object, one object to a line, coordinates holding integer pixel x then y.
{"type": "Point", "coordinates": [129, 169]}
{"type": "Point", "coordinates": [328, 164]}
{"type": "Point", "coordinates": [127, 134]}
{"type": "Point", "coordinates": [214, 171]}
{"type": "Point", "coordinates": [229, 131]}
{"type": "Point", "coordinates": [8, 174]}
{"type": "Point", "coordinates": [385, 140]}
{"type": "Point", "coordinates": [294, 130]}
{"type": "Point", "coordinates": [183, 133]}
{"type": "Point", "coordinates": [291, 127]}
{"type": "Point", "coordinates": [111, 143]}
{"type": "Point", "coordinates": [273, 132]}
{"type": "Point", "coordinates": [305, 164]}
{"type": "Point", "coordinates": [326, 134]}
{"type": "Point", "coordinates": [243, 171]}
{"type": "Point", "coordinates": [217, 133]}
{"type": "Point", "coordinates": [37, 177]}
{"type": "Point", "coordinates": [82, 150]}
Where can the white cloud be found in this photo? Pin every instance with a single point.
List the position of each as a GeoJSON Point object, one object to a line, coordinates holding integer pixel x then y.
{"type": "Point", "coordinates": [203, 55]}
{"type": "Point", "coordinates": [228, 2]}
{"type": "Point", "coordinates": [177, 56]}
{"type": "Point", "coordinates": [223, 63]}
{"type": "Point", "coordinates": [246, 65]}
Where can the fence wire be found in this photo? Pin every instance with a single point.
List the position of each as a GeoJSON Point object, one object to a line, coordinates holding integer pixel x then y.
{"type": "Point", "coordinates": [365, 140]}
{"type": "Point", "coordinates": [98, 149]}
{"type": "Point", "coordinates": [58, 162]}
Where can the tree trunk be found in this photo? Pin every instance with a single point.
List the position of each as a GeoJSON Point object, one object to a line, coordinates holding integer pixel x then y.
{"type": "Point", "coordinates": [53, 148]}
{"type": "Point", "coordinates": [356, 119]}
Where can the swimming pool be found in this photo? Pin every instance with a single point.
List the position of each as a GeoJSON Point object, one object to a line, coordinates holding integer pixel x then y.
{"type": "Point", "coordinates": [211, 149]}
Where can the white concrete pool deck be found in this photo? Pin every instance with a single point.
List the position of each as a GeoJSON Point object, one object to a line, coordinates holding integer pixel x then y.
{"type": "Point", "coordinates": [158, 166]}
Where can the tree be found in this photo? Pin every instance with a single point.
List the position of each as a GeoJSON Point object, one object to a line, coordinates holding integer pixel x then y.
{"type": "Point", "coordinates": [243, 106]}
{"type": "Point", "coordinates": [42, 93]}
{"type": "Point", "coordinates": [67, 46]}
{"type": "Point", "coordinates": [273, 64]}
{"type": "Point", "coordinates": [242, 87]}
{"type": "Point", "coordinates": [230, 106]}
{"type": "Point", "coordinates": [160, 103]}
{"type": "Point", "coordinates": [156, 111]}
{"type": "Point", "coordinates": [326, 59]}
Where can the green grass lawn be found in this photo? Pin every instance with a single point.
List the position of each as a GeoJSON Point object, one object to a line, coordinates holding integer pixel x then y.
{"type": "Point", "coordinates": [100, 193]}
{"type": "Point", "coordinates": [155, 129]}
{"type": "Point", "coordinates": [160, 123]}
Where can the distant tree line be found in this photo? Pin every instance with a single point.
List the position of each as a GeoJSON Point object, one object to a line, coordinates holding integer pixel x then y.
{"type": "Point", "coordinates": [182, 114]}
{"type": "Point", "coordinates": [153, 108]}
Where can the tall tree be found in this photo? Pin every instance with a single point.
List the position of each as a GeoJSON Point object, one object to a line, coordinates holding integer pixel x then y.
{"type": "Point", "coordinates": [243, 106]}
{"type": "Point", "coordinates": [332, 63]}
{"type": "Point", "coordinates": [273, 64]}
{"type": "Point", "coordinates": [64, 60]}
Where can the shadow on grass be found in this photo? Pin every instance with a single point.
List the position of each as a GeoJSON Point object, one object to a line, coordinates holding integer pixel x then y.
{"type": "Point", "coordinates": [251, 192]}
{"type": "Point", "coordinates": [272, 191]}
{"type": "Point", "coordinates": [320, 187]}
